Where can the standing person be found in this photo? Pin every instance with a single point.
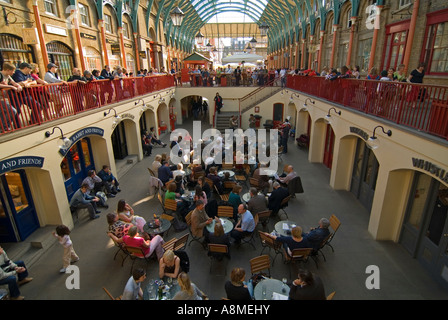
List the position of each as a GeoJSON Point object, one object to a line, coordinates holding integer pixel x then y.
{"type": "Point", "coordinates": [252, 121]}
{"type": "Point", "coordinates": [218, 102]}
{"type": "Point", "coordinates": [62, 233]}
{"type": "Point", "coordinates": [237, 74]}
{"type": "Point", "coordinates": [133, 290]}
{"type": "Point", "coordinates": [286, 127]}
{"type": "Point", "coordinates": [283, 77]}
{"type": "Point", "coordinates": [8, 115]}
{"type": "Point", "coordinates": [416, 76]}
{"type": "Point", "coordinates": [233, 122]}
{"type": "Point", "coordinates": [107, 86]}
{"type": "Point", "coordinates": [8, 272]}
{"type": "Point", "coordinates": [399, 75]}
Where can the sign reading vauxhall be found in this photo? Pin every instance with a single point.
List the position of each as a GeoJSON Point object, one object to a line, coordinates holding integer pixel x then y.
{"type": "Point", "coordinates": [81, 134]}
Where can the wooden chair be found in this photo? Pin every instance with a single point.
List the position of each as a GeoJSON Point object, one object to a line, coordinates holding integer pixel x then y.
{"type": "Point", "coordinates": [260, 263]}
{"type": "Point", "coordinates": [151, 172]}
{"type": "Point", "coordinates": [225, 211]}
{"type": "Point", "coordinates": [227, 166]}
{"type": "Point", "coordinates": [254, 183]}
{"type": "Point", "coordinates": [315, 253]}
{"type": "Point", "coordinates": [280, 153]}
{"type": "Point", "coordinates": [271, 244]}
{"type": "Point", "coordinates": [210, 182]}
{"type": "Point", "coordinates": [263, 217]}
{"type": "Point", "coordinates": [169, 245]}
{"type": "Point", "coordinates": [198, 174]}
{"type": "Point", "coordinates": [181, 243]}
{"type": "Point", "coordinates": [215, 251]}
{"type": "Point", "coordinates": [249, 239]}
{"type": "Point", "coordinates": [331, 295]}
{"type": "Point", "coordinates": [170, 205]}
{"type": "Point", "coordinates": [295, 186]}
{"type": "Point", "coordinates": [111, 296]}
{"type": "Point", "coordinates": [137, 253]}
{"type": "Point", "coordinates": [193, 238]}
{"type": "Point", "coordinates": [334, 224]}
{"type": "Point", "coordinates": [301, 255]}
{"type": "Point", "coordinates": [228, 185]}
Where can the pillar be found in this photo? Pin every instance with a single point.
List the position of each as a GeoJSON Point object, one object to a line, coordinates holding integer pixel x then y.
{"type": "Point", "coordinates": [335, 31]}
{"type": "Point", "coordinates": [40, 32]}
{"type": "Point", "coordinates": [103, 41]}
{"type": "Point", "coordinates": [350, 43]}
{"type": "Point", "coordinates": [137, 53]}
{"type": "Point", "coordinates": [321, 45]}
{"type": "Point", "coordinates": [74, 13]}
{"type": "Point", "coordinates": [407, 53]}
{"type": "Point", "coordinates": [375, 37]}
{"type": "Point", "coordinates": [123, 53]}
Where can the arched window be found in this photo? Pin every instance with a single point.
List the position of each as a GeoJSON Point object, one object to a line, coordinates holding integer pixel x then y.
{"type": "Point", "coordinates": [61, 55]}
{"type": "Point", "coordinates": [93, 58]}
{"type": "Point", "coordinates": [14, 51]}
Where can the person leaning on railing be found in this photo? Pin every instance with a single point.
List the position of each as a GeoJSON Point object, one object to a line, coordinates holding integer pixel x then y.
{"type": "Point", "coordinates": [7, 112]}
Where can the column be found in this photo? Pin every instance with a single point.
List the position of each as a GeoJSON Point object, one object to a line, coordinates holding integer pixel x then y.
{"type": "Point", "coordinates": [335, 31]}
{"type": "Point", "coordinates": [407, 53]}
{"type": "Point", "coordinates": [350, 43]}
{"type": "Point", "coordinates": [123, 53]}
{"type": "Point", "coordinates": [375, 37]}
{"type": "Point", "coordinates": [321, 45]}
{"type": "Point", "coordinates": [310, 56]}
{"type": "Point", "coordinates": [40, 32]}
{"type": "Point", "coordinates": [302, 63]}
{"type": "Point", "coordinates": [103, 41]}
{"type": "Point", "coordinates": [137, 53]}
{"type": "Point", "coordinates": [74, 13]}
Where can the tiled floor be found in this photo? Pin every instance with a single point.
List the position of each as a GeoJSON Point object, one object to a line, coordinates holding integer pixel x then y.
{"type": "Point", "coordinates": [401, 276]}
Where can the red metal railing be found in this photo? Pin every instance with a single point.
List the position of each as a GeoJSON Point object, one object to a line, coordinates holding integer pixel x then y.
{"type": "Point", "coordinates": [417, 106]}
{"type": "Point", "coordinates": [39, 104]}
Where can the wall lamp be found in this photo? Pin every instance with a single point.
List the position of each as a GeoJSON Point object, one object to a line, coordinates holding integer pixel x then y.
{"type": "Point", "coordinates": [161, 99]}
{"type": "Point", "coordinates": [328, 116]}
{"type": "Point", "coordinates": [144, 106]}
{"type": "Point", "coordinates": [292, 96]}
{"type": "Point", "coordinates": [117, 117]}
{"type": "Point", "coordinates": [305, 106]}
{"type": "Point", "coordinates": [372, 142]}
{"type": "Point", "coordinates": [66, 142]}
{"type": "Point", "coordinates": [172, 96]}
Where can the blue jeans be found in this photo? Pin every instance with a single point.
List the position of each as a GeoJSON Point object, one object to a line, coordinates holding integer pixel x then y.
{"type": "Point", "coordinates": [11, 281]}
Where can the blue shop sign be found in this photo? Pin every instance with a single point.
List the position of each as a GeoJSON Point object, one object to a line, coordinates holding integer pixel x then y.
{"type": "Point", "coordinates": [81, 134]}
{"type": "Point", "coordinates": [12, 164]}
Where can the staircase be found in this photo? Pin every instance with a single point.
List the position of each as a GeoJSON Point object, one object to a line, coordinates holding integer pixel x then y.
{"type": "Point", "coordinates": [255, 97]}
{"type": "Point", "coordinates": [223, 119]}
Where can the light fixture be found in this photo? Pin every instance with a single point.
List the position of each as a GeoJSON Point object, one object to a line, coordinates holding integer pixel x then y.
{"type": "Point", "coordinates": [291, 100]}
{"type": "Point", "coordinates": [328, 116]}
{"type": "Point", "coordinates": [161, 99]}
{"type": "Point", "coordinates": [117, 117]}
{"type": "Point", "coordinates": [199, 38]}
{"type": "Point", "coordinates": [172, 96]}
{"type": "Point", "coordinates": [372, 142]}
{"type": "Point", "coordinates": [305, 106]}
{"type": "Point", "coordinates": [66, 142]}
{"type": "Point", "coordinates": [253, 40]}
{"type": "Point", "coordinates": [144, 107]}
{"type": "Point", "coordinates": [177, 16]}
{"type": "Point", "coordinates": [263, 28]}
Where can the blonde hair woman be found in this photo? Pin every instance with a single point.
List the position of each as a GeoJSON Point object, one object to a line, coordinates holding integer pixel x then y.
{"type": "Point", "coordinates": [188, 290]}
{"type": "Point", "coordinates": [169, 265]}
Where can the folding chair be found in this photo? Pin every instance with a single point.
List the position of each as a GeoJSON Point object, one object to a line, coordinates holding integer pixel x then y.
{"type": "Point", "coordinates": [170, 205]}
{"type": "Point", "coordinates": [249, 239]}
{"type": "Point", "coordinates": [259, 264]}
{"type": "Point", "coordinates": [271, 244]}
{"type": "Point", "coordinates": [151, 172]}
{"type": "Point", "coordinates": [181, 243]}
{"type": "Point", "coordinates": [121, 248]}
{"type": "Point", "coordinates": [334, 224]}
{"type": "Point", "coordinates": [137, 253]}
{"type": "Point", "coordinates": [254, 183]}
{"type": "Point", "coordinates": [225, 211]}
{"type": "Point", "coordinates": [263, 217]}
{"type": "Point", "coordinates": [110, 295]}
{"type": "Point", "coordinates": [217, 252]}
{"type": "Point", "coordinates": [301, 255]}
{"type": "Point", "coordinates": [283, 205]}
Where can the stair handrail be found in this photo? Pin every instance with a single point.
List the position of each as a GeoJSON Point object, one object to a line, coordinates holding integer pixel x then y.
{"type": "Point", "coordinates": [243, 102]}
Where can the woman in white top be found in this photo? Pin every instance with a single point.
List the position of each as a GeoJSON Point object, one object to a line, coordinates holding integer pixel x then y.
{"type": "Point", "coordinates": [179, 171]}
{"type": "Point", "coordinates": [126, 214]}
{"type": "Point", "coordinates": [157, 163]}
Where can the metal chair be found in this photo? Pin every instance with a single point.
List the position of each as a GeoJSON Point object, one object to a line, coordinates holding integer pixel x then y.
{"type": "Point", "coordinates": [217, 252]}
{"type": "Point", "coordinates": [334, 224]}
{"type": "Point", "coordinates": [271, 244]}
{"type": "Point", "coordinates": [263, 217]}
{"type": "Point", "coordinates": [170, 205]}
{"type": "Point", "coordinates": [283, 205]}
{"type": "Point", "coordinates": [181, 243]}
{"type": "Point", "coordinates": [259, 264]}
{"type": "Point", "coordinates": [137, 253]}
{"type": "Point", "coordinates": [249, 239]}
{"type": "Point", "coordinates": [120, 247]}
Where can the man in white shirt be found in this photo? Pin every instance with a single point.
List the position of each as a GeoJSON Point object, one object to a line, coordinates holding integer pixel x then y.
{"type": "Point", "coordinates": [51, 76]}
{"type": "Point", "coordinates": [283, 77]}
{"type": "Point", "coordinates": [133, 290]}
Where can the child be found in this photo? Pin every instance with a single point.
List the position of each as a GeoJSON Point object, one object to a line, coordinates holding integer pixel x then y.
{"type": "Point", "coordinates": [62, 233]}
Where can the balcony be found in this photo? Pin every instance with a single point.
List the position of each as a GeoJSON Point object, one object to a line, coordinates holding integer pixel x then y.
{"type": "Point", "coordinates": [45, 103]}
{"type": "Point", "coordinates": [420, 107]}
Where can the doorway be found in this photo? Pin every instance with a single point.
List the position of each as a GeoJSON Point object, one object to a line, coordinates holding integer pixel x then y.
{"type": "Point", "coordinates": [329, 146]}
{"type": "Point", "coordinates": [119, 143]}
{"type": "Point", "coordinates": [18, 217]}
{"type": "Point", "coordinates": [365, 174]}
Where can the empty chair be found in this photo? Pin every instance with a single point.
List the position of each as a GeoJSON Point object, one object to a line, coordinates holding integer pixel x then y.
{"type": "Point", "coordinates": [217, 252]}
{"type": "Point", "coordinates": [110, 295]}
{"type": "Point", "coordinates": [271, 244]}
{"type": "Point", "coordinates": [259, 264]}
{"type": "Point", "coordinates": [283, 205]}
{"type": "Point", "coordinates": [225, 211]}
{"type": "Point", "coordinates": [181, 243]}
{"type": "Point", "coordinates": [331, 295]}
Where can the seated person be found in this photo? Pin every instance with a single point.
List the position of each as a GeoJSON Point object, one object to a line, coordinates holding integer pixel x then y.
{"type": "Point", "coordinates": [117, 227]}
{"type": "Point", "coordinates": [13, 274]}
{"type": "Point", "coordinates": [316, 235]}
{"type": "Point", "coordinates": [106, 175]}
{"type": "Point", "coordinates": [235, 199]}
{"type": "Point", "coordinates": [275, 199]}
{"type": "Point", "coordinates": [152, 134]}
{"type": "Point", "coordinates": [295, 241]}
{"type": "Point", "coordinates": [213, 175]}
{"type": "Point", "coordinates": [307, 286]}
{"type": "Point", "coordinates": [126, 214]}
{"type": "Point", "coordinates": [81, 199]}
{"type": "Point", "coordinates": [236, 288]}
{"type": "Point", "coordinates": [257, 202]}
{"type": "Point", "coordinates": [188, 290]}
{"type": "Point", "coordinates": [291, 174]}
{"type": "Point", "coordinates": [218, 237]}
{"type": "Point", "coordinates": [199, 220]}
{"type": "Point", "coordinates": [146, 145]}
{"type": "Point", "coordinates": [180, 189]}
{"type": "Point", "coordinates": [263, 180]}
{"type": "Point", "coordinates": [149, 246]}
{"type": "Point", "coordinates": [245, 225]}
{"type": "Point", "coordinates": [133, 290]}
{"type": "Point", "coordinates": [169, 265]}
{"type": "Point", "coordinates": [182, 205]}
{"type": "Point", "coordinates": [156, 164]}
{"type": "Point", "coordinates": [95, 184]}
{"type": "Point", "coordinates": [164, 172]}
{"type": "Point", "coordinates": [179, 172]}
{"type": "Point", "coordinates": [205, 186]}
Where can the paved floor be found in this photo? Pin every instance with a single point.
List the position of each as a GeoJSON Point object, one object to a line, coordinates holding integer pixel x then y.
{"type": "Point", "coordinates": [401, 276]}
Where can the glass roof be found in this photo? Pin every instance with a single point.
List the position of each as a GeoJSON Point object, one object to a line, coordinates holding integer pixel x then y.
{"type": "Point", "coordinates": [229, 10]}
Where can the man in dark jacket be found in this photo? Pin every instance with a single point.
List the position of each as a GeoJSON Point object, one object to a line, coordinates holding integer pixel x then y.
{"type": "Point", "coordinates": [275, 199]}
{"type": "Point", "coordinates": [106, 86]}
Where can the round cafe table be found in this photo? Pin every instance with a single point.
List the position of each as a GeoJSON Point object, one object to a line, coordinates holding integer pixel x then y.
{"type": "Point", "coordinates": [152, 229]}
{"type": "Point", "coordinates": [271, 289]}
{"type": "Point", "coordinates": [221, 173]}
{"type": "Point", "coordinates": [284, 227]}
{"type": "Point", "coordinates": [246, 197]}
{"type": "Point", "coordinates": [151, 291]}
{"type": "Point", "coordinates": [226, 224]}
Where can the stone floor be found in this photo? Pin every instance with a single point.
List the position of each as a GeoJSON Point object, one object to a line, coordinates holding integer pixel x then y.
{"type": "Point", "coordinates": [344, 271]}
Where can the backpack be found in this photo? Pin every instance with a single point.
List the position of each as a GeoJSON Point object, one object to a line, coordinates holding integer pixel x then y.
{"type": "Point", "coordinates": [184, 260]}
{"type": "Point", "coordinates": [179, 225]}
